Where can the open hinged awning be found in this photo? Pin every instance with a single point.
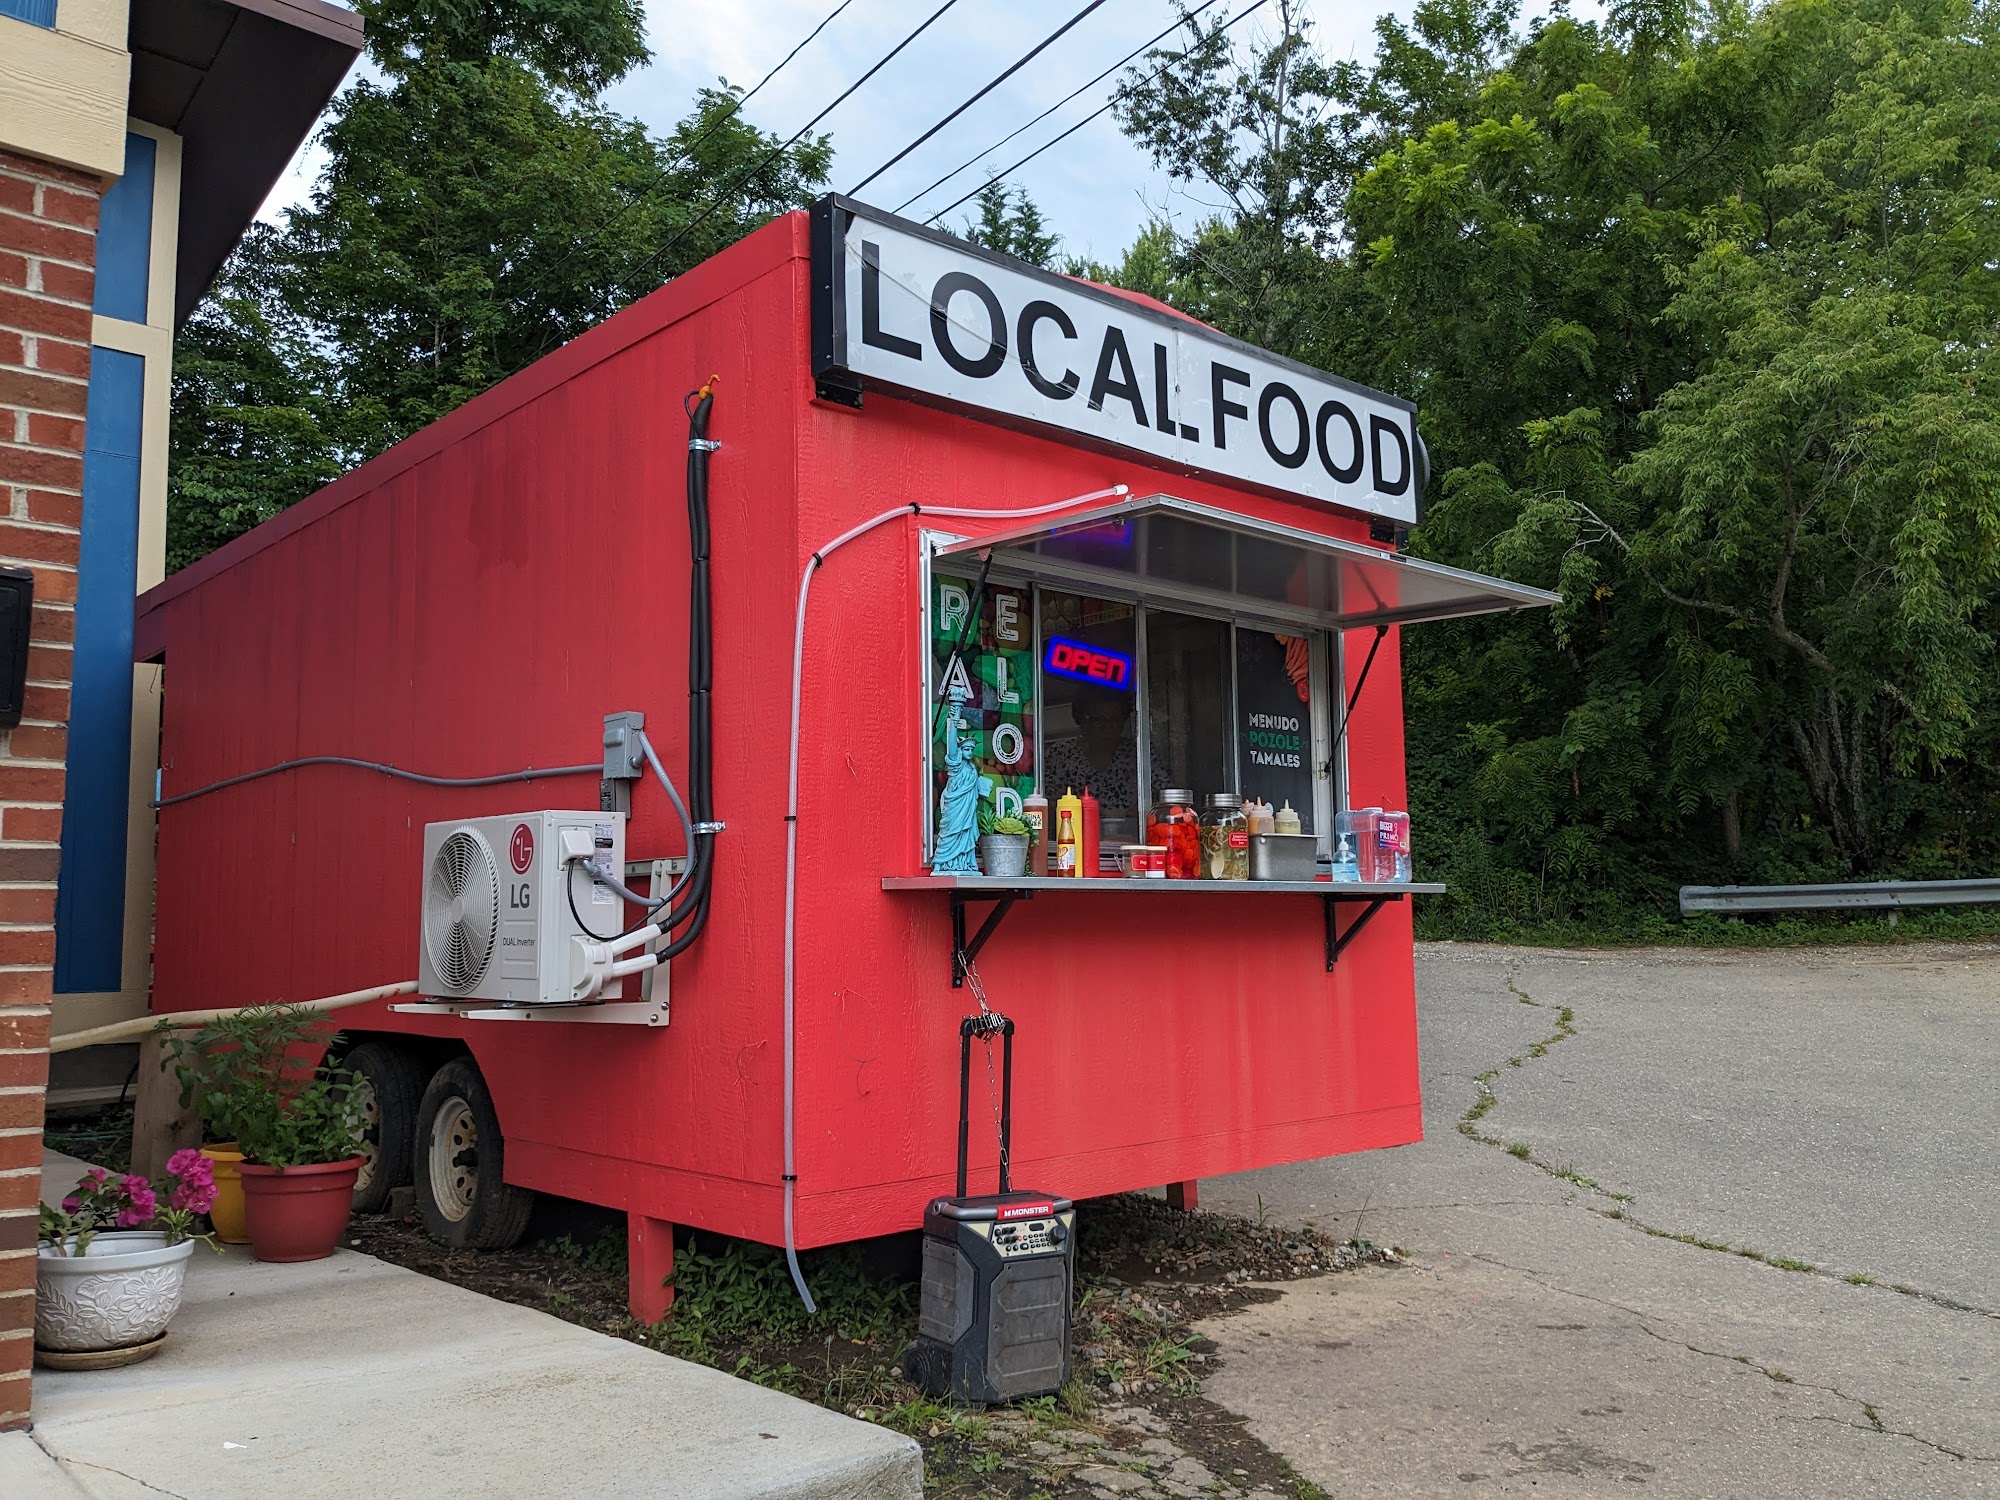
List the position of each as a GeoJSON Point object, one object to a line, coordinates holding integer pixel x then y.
{"type": "Point", "coordinates": [1160, 548]}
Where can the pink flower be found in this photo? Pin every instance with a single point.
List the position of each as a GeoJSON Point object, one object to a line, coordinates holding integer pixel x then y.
{"type": "Point", "coordinates": [184, 1161]}
{"type": "Point", "coordinates": [71, 1204]}
{"type": "Point", "coordinates": [96, 1177]}
{"type": "Point", "coordinates": [141, 1205]}
{"type": "Point", "coordinates": [199, 1197]}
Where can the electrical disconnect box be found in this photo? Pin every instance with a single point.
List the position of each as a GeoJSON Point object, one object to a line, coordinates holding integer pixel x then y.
{"type": "Point", "coordinates": [509, 906]}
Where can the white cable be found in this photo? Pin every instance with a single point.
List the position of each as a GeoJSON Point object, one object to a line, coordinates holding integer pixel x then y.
{"type": "Point", "coordinates": [680, 807]}
{"type": "Point", "coordinates": [813, 565]}
{"type": "Point", "coordinates": [637, 965]}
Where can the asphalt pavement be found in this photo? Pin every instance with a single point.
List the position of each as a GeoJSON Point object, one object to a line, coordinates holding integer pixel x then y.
{"type": "Point", "coordinates": [1729, 1227]}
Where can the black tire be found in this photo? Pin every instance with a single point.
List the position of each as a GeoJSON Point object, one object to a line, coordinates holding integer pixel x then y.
{"type": "Point", "coordinates": [389, 1086]}
{"type": "Point", "coordinates": [459, 1163]}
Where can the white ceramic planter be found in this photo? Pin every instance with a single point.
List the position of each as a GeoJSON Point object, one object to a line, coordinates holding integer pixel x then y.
{"type": "Point", "coordinates": [124, 1289]}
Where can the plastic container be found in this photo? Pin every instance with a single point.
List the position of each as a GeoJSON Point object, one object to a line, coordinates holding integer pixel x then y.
{"type": "Point", "coordinates": [1225, 839]}
{"type": "Point", "coordinates": [1353, 842]}
{"type": "Point", "coordinates": [1175, 824]}
{"type": "Point", "coordinates": [1287, 820]}
{"type": "Point", "coordinates": [1394, 828]}
{"type": "Point", "coordinates": [1260, 817]}
{"type": "Point", "coordinates": [1143, 861]}
{"type": "Point", "coordinates": [1088, 848]}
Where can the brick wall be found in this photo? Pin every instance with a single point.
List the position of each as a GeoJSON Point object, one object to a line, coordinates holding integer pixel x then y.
{"type": "Point", "coordinates": [48, 223]}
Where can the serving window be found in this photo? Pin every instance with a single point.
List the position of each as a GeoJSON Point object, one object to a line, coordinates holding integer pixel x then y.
{"type": "Point", "coordinates": [1073, 690]}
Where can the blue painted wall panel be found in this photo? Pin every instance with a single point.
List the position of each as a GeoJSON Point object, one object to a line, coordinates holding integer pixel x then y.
{"type": "Point", "coordinates": [125, 234]}
{"type": "Point", "coordinates": [34, 12]}
{"type": "Point", "coordinates": [90, 896]}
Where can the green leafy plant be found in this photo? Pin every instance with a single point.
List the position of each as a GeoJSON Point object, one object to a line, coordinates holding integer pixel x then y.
{"type": "Point", "coordinates": [253, 1079]}
{"type": "Point", "coordinates": [1011, 827]}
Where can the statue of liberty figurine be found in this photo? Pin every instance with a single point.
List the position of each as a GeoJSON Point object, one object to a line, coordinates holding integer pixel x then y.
{"type": "Point", "coordinates": [958, 806]}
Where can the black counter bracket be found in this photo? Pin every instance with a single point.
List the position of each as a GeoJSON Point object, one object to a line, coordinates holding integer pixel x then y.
{"type": "Point", "coordinates": [964, 953]}
{"type": "Point", "coordinates": [1336, 940]}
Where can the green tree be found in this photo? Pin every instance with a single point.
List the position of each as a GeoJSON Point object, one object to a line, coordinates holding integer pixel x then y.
{"type": "Point", "coordinates": [1011, 223]}
{"type": "Point", "coordinates": [1698, 307]}
{"type": "Point", "coordinates": [478, 207]}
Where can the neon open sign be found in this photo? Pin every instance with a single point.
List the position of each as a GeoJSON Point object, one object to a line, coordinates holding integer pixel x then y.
{"type": "Point", "coordinates": [1087, 663]}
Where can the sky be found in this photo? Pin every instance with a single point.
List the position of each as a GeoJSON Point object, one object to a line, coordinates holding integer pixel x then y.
{"type": "Point", "coordinates": [1095, 189]}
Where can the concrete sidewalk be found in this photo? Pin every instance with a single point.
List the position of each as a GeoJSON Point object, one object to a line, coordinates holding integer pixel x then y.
{"type": "Point", "coordinates": [349, 1376]}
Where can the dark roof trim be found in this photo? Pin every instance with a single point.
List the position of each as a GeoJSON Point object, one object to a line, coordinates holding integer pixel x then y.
{"type": "Point", "coordinates": [242, 82]}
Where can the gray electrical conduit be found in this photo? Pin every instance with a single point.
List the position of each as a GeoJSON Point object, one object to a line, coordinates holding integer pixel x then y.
{"type": "Point", "coordinates": [817, 561]}
{"type": "Point", "coordinates": [595, 768]}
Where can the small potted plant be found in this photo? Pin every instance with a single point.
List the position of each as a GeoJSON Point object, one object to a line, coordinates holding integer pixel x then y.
{"type": "Point", "coordinates": [252, 1077]}
{"type": "Point", "coordinates": [111, 1263]}
{"type": "Point", "coordinates": [1003, 845]}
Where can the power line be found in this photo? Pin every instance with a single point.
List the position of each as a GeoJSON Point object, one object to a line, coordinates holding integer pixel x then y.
{"type": "Point", "coordinates": [1019, 63]}
{"type": "Point", "coordinates": [1109, 104]}
{"type": "Point", "coordinates": [776, 151]}
{"type": "Point", "coordinates": [1079, 89]}
{"type": "Point", "coordinates": [686, 153]}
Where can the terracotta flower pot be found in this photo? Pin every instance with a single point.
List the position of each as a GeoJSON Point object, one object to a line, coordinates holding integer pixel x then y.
{"type": "Point", "coordinates": [297, 1213]}
{"type": "Point", "coordinates": [226, 1213]}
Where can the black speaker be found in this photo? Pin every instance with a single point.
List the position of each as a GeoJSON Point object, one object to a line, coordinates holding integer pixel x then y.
{"type": "Point", "coordinates": [993, 1321]}
{"type": "Point", "coordinates": [17, 615]}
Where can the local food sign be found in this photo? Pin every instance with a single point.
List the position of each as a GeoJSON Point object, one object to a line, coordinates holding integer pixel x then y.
{"type": "Point", "coordinates": [901, 306]}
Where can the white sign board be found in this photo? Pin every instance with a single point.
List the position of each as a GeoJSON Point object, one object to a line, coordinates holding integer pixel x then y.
{"type": "Point", "coordinates": [904, 307]}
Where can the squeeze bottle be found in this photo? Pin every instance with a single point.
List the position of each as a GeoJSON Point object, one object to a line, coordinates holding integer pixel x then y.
{"type": "Point", "coordinates": [1035, 813]}
{"type": "Point", "coordinates": [1087, 846]}
{"type": "Point", "coordinates": [1069, 826]}
{"type": "Point", "coordinates": [1287, 820]}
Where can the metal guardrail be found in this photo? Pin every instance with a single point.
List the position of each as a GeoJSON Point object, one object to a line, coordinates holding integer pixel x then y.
{"type": "Point", "coordinates": [1851, 896]}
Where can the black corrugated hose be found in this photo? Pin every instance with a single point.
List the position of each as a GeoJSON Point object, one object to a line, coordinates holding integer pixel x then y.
{"type": "Point", "coordinates": [693, 910]}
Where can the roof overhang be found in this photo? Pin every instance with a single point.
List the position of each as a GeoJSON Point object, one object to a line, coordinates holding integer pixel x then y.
{"type": "Point", "coordinates": [242, 82]}
{"type": "Point", "coordinates": [1161, 549]}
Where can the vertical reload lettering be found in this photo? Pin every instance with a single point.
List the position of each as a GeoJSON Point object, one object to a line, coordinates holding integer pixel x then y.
{"type": "Point", "coordinates": [1035, 313]}
{"type": "Point", "coordinates": [1220, 378]}
{"type": "Point", "coordinates": [982, 365]}
{"type": "Point", "coordinates": [871, 307]}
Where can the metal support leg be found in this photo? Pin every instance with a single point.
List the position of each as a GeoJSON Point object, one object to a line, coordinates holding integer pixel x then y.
{"type": "Point", "coordinates": [649, 1245]}
{"type": "Point", "coordinates": [1336, 940]}
{"type": "Point", "coordinates": [1184, 1196]}
{"type": "Point", "coordinates": [963, 952]}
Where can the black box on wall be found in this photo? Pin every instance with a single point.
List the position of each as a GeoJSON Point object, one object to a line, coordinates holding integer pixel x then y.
{"type": "Point", "coordinates": [17, 610]}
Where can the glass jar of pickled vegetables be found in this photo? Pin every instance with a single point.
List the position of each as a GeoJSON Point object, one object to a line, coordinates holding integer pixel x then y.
{"type": "Point", "coordinates": [1225, 838]}
{"type": "Point", "coordinates": [1175, 824]}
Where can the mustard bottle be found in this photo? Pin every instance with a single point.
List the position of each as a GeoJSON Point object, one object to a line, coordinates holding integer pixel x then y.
{"type": "Point", "coordinates": [1068, 842]}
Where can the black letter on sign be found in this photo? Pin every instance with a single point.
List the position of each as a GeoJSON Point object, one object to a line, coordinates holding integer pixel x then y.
{"type": "Point", "coordinates": [1220, 377]}
{"type": "Point", "coordinates": [1161, 417]}
{"type": "Point", "coordinates": [871, 307]}
{"type": "Point", "coordinates": [1276, 391]}
{"type": "Point", "coordinates": [1376, 427]}
{"type": "Point", "coordinates": [949, 285]}
{"type": "Point", "coordinates": [1024, 340]}
{"type": "Point", "coordinates": [1127, 385]}
{"type": "Point", "coordinates": [1327, 413]}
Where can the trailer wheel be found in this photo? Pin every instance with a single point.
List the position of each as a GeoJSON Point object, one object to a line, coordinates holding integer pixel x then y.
{"type": "Point", "coordinates": [388, 1084]}
{"type": "Point", "coordinates": [462, 1195]}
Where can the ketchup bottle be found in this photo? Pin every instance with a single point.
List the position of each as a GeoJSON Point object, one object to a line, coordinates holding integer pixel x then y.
{"type": "Point", "coordinates": [1087, 846]}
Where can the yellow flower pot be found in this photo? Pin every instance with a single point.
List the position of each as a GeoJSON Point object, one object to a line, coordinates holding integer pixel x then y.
{"type": "Point", "coordinates": [226, 1215]}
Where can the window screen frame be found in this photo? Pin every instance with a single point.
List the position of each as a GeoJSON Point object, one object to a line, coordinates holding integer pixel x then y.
{"type": "Point", "coordinates": [1326, 674]}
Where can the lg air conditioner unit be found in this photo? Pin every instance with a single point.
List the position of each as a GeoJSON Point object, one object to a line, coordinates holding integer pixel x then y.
{"type": "Point", "coordinates": [508, 904]}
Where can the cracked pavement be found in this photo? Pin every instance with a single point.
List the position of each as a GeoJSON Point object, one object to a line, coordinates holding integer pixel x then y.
{"type": "Point", "coordinates": [1556, 1332]}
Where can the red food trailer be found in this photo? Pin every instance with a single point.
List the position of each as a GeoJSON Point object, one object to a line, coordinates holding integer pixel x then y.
{"type": "Point", "coordinates": [852, 472]}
